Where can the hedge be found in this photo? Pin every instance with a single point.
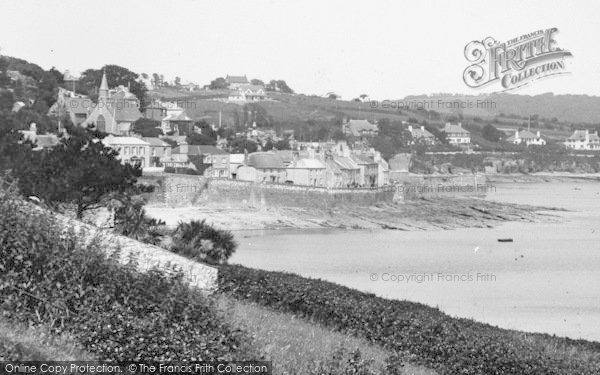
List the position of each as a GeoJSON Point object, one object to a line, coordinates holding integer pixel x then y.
{"type": "Point", "coordinates": [436, 340]}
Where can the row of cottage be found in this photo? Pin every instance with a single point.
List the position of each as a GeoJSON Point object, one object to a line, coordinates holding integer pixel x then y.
{"type": "Point", "coordinates": [335, 166]}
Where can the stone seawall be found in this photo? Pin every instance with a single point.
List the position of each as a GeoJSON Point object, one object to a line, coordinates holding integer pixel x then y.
{"type": "Point", "coordinates": [187, 190]}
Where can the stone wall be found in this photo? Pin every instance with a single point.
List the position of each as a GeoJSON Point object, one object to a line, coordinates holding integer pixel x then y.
{"type": "Point", "coordinates": [186, 190]}
{"type": "Point", "coordinates": [199, 275]}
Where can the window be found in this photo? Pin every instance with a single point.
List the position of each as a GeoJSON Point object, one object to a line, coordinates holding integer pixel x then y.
{"type": "Point", "coordinates": [101, 123]}
{"type": "Point", "coordinates": [126, 151]}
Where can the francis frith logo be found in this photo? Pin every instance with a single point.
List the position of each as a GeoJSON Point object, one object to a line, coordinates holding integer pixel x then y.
{"type": "Point", "coordinates": [514, 63]}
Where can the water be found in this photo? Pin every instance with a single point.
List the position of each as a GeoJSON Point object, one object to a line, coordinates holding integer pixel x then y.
{"type": "Point", "coordinates": [547, 280]}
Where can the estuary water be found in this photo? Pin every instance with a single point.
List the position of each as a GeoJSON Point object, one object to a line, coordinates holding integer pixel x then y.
{"type": "Point", "coordinates": [546, 280]}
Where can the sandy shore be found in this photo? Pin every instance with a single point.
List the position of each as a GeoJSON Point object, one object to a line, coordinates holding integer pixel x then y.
{"type": "Point", "coordinates": [422, 214]}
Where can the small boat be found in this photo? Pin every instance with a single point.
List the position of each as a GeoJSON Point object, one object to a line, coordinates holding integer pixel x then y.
{"type": "Point", "coordinates": [505, 240]}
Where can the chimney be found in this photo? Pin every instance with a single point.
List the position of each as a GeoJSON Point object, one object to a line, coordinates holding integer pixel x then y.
{"type": "Point", "coordinates": [422, 128]}
{"type": "Point", "coordinates": [538, 134]}
{"type": "Point", "coordinates": [460, 125]}
{"type": "Point", "coordinates": [410, 128]}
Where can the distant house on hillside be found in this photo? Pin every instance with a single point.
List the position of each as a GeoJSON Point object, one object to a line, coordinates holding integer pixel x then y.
{"type": "Point", "coordinates": [360, 128]}
{"type": "Point", "coordinates": [177, 123]}
{"type": "Point", "coordinates": [235, 81]}
{"type": "Point", "coordinates": [247, 93]}
{"type": "Point", "coordinates": [421, 135]}
{"type": "Point", "coordinates": [583, 140]}
{"type": "Point", "coordinates": [526, 137]}
{"type": "Point", "coordinates": [456, 134]}
{"type": "Point", "coordinates": [116, 110]}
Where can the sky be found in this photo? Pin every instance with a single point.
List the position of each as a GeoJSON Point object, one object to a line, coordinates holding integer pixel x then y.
{"type": "Point", "coordinates": [385, 49]}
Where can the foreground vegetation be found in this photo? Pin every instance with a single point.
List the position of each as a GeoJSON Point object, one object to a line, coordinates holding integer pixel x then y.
{"type": "Point", "coordinates": [450, 345]}
{"type": "Point", "coordinates": [298, 346]}
{"type": "Point", "coordinates": [49, 279]}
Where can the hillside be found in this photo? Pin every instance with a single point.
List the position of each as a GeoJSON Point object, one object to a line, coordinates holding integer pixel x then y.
{"type": "Point", "coordinates": [557, 114]}
{"type": "Point", "coordinates": [567, 108]}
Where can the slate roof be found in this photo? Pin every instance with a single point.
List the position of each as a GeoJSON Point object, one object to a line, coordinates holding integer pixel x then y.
{"type": "Point", "coordinates": [454, 129]}
{"type": "Point", "coordinates": [579, 135]}
{"type": "Point", "coordinates": [156, 142]}
{"type": "Point", "coordinates": [362, 160]}
{"type": "Point", "coordinates": [417, 132]}
{"type": "Point", "coordinates": [265, 160]}
{"type": "Point", "coordinates": [237, 79]}
{"type": "Point", "coordinates": [345, 163]}
{"type": "Point", "coordinates": [523, 134]}
{"type": "Point", "coordinates": [205, 150]}
{"type": "Point", "coordinates": [355, 127]}
{"type": "Point", "coordinates": [124, 141]}
{"type": "Point", "coordinates": [308, 164]}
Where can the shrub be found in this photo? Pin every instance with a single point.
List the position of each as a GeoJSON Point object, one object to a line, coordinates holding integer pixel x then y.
{"type": "Point", "coordinates": [49, 277]}
{"type": "Point", "coordinates": [201, 241]}
{"type": "Point", "coordinates": [131, 221]}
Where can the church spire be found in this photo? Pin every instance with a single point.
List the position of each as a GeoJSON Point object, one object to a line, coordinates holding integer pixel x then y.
{"type": "Point", "coordinates": [103, 93]}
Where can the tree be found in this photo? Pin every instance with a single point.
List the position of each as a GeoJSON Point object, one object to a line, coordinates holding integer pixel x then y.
{"type": "Point", "coordinates": [80, 171]}
{"type": "Point", "coordinates": [12, 149]}
{"type": "Point", "coordinates": [156, 80]}
{"type": "Point", "coordinates": [257, 82]}
{"type": "Point", "coordinates": [492, 134]}
{"type": "Point", "coordinates": [218, 84]}
{"type": "Point", "coordinates": [147, 127]}
{"type": "Point", "coordinates": [200, 139]}
{"type": "Point", "coordinates": [240, 145]}
{"type": "Point", "coordinates": [279, 85]}
{"type": "Point", "coordinates": [115, 75]}
{"type": "Point", "coordinates": [282, 144]}
{"type": "Point", "coordinates": [177, 81]}
{"type": "Point", "coordinates": [268, 146]}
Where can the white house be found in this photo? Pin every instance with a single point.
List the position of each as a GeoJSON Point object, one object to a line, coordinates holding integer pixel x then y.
{"type": "Point", "coordinates": [131, 149]}
{"type": "Point", "coordinates": [583, 140]}
{"type": "Point", "coordinates": [526, 137]}
{"type": "Point", "coordinates": [421, 135]}
{"type": "Point", "coordinates": [456, 135]}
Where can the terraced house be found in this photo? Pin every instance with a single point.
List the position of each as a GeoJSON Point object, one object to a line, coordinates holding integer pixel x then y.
{"type": "Point", "coordinates": [262, 167]}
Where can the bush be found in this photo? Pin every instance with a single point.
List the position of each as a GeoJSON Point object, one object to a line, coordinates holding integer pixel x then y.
{"type": "Point", "coordinates": [201, 241]}
{"type": "Point", "coordinates": [451, 345]}
{"type": "Point", "coordinates": [49, 277]}
{"type": "Point", "coordinates": [131, 221]}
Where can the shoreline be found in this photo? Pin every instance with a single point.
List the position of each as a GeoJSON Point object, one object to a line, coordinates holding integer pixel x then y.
{"type": "Point", "coordinates": [439, 213]}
